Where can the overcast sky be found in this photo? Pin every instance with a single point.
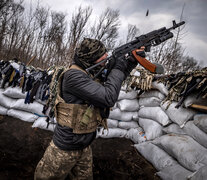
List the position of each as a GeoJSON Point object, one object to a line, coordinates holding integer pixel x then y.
{"type": "Point", "coordinates": [161, 13]}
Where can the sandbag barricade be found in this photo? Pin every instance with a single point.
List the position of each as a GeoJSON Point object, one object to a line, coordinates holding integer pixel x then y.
{"type": "Point", "coordinates": [172, 139]}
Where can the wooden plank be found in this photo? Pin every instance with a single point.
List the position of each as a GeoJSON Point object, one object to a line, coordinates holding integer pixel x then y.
{"type": "Point", "coordinates": [200, 107]}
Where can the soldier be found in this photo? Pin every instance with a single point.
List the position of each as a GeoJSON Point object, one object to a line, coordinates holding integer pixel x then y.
{"type": "Point", "coordinates": [82, 104]}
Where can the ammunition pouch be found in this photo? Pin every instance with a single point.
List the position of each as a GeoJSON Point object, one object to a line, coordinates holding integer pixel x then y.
{"type": "Point", "coordinates": [82, 118]}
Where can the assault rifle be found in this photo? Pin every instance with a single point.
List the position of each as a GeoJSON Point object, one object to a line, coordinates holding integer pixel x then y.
{"type": "Point", "coordinates": [148, 40]}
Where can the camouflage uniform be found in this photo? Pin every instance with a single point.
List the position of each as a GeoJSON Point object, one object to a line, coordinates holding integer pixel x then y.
{"type": "Point", "coordinates": [69, 153]}
{"type": "Point", "coordinates": [57, 164]}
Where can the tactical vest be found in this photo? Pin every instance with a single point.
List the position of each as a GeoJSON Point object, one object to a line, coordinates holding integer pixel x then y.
{"type": "Point", "coordinates": [82, 118]}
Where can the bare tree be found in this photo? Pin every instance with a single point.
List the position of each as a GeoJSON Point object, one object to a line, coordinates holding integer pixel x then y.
{"type": "Point", "coordinates": [188, 64]}
{"type": "Point", "coordinates": [42, 17]}
{"type": "Point", "coordinates": [8, 11]}
{"type": "Point", "coordinates": [170, 53]}
{"type": "Point", "coordinates": [133, 31]}
{"type": "Point", "coordinates": [106, 28]}
{"type": "Point", "coordinates": [46, 35]}
{"type": "Point", "coordinates": [77, 28]}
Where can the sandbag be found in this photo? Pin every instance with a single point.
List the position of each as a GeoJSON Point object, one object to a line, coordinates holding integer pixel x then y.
{"type": "Point", "coordinates": [127, 95]}
{"type": "Point", "coordinates": [154, 113]}
{"type": "Point", "coordinates": [173, 128]}
{"type": "Point", "coordinates": [114, 107]}
{"type": "Point", "coordinates": [185, 149]}
{"type": "Point", "coordinates": [178, 115]}
{"type": "Point", "coordinates": [23, 115]}
{"type": "Point", "coordinates": [174, 172]}
{"type": "Point", "coordinates": [200, 120]}
{"type": "Point", "coordinates": [161, 87]}
{"type": "Point", "coordinates": [152, 93]}
{"type": "Point", "coordinates": [14, 92]}
{"type": "Point", "coordinates": [111, 133]}
{"type": "Point", "coordinates": [155, 155]}
{"type": "Point", "coordinates": [112, 123]}
{"type": "Point", "coordinates": [136, 135]}
{"type": "Point", "coordinates": [42, 124]}
{"type": "Point", "coordinates": [151, 128]}
{"type": "Point", "coordinates": [128, 105]}
{"type": "Point", "coordinates": [201, 174]}
{"type": "Point", "coordinates": [6, 101]}
{"type": "Point", "coordinates": [149, 102]}
{"type": "Point", "coordinates": [192, 130]}
{"type": "Point", "coordinates": [128, 124]}
{"type": "Point", "coordinates": [41, 102]}
{"type": "Point", "coordinates": [34, 107]}
{"type": "Point", "coordinates": [3, 110]}
{"type": "Point", "coordinates": [123, 115]}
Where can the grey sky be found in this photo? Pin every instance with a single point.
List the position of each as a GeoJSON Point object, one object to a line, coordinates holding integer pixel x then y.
{"type": "Point", "coordinates": [161, 13]}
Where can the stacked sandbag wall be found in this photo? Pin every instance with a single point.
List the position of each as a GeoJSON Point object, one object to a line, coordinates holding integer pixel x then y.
{"type": "Point", "coordinates": [173, 139]}
{"type": "Point", "coordinates": [12, 104]}
{"type": "Point", "coordinates": [176, 137]}
{"type": "Point", "coordinates": [123, 119]}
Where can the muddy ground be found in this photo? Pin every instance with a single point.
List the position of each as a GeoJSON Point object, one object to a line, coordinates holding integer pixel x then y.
{"type": "Point", "coordinates": [21, 147]}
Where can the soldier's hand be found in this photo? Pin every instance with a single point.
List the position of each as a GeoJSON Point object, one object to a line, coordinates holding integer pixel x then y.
{"type": "Point", "coordinates": [132, 62]}
{"type": "Point", "coordinates": [141, 52]}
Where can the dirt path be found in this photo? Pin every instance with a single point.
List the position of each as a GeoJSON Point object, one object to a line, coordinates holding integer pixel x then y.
{"type": "Point", "coordinates": [21, 147]}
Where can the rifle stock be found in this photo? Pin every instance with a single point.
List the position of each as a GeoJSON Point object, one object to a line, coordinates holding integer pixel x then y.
{"type": "Point", "coordinates": [144, 62]}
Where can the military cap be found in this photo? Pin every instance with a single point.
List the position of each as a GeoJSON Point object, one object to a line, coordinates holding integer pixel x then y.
{"type": "Point", "coordinates": [90, 50]}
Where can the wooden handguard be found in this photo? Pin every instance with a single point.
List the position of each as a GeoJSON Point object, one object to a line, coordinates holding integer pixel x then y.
{"type": "Point", "coordinates": [144, 62]}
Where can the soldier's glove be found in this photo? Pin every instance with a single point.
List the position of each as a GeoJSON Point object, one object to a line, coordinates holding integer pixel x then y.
{"type": "Point", "coordinates": [132, 62]}
{"type": "Point", "coordinates": [120, 64]}
{"type": "Point", "coordinates": [127, 64]}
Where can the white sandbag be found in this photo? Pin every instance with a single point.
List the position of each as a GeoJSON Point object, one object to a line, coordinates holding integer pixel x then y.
{"type": "Point", "coordinates": [178, 115]}
{"type": "Point", "coordinates": [3, 110]}
{"type": "Point", "coordinates": [23, 115]}
{"type": "Point", "coordinates": [123, 115]}
{"type": "Point", "coordinates": [42, 124]}
{"type": "Point", "coordinates": [155, 155]}
{"type": "Point", "coordinates": [14, 92]}
{"type": "Point", "coordinates": [152, 93]}
{"type": "Point", "coordinates": [192, 130]}
{"type": "Point", "coordinates": [185, 149]}
{"type": "Point", "coordinates": [34, 107]}
{"type": "Point", "coordinates": [193, 100]}
{"type": "Point", "coordinates": [136, 135]}
{"type": "Point", "coordinates": [127, 95]}
{"type": "Point", "coordinates": [6, 101]}
{"type": "Point", "coordinates": [114, 107]}
{"type": "Point", "coordinates": [175, 172]}
{"type": "Point", "coordinates": [161, 87]}
{"type": "Point", "coordinates": [111, 133]}
{"type": "Point", "coordinates": [200, 120]}
{"type": "Point", "coordinates": [201, 174]}
{"type": "Point", "coordinates": [112, 123]}
{"type": "Point", "coordinates": [155, 113]}
{"type": "Point", "coordinates": [128, 124]}
{"type": "Point", "coordinates": [124, 87]}
{"type": "Point", "coordinates": [149, 102]}
{"type": "Point", "coordinates": [151, 128]}
{"type": "Point", "coordinates": [41, 102]}
{"type": "Point", "coordinates": [128, 105]}
{"type": "Point", "coordinates": [173, 128]}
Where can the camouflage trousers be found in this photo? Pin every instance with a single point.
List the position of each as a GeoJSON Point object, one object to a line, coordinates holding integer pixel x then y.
{"type": "Point", "coordinates": [58, 164]}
